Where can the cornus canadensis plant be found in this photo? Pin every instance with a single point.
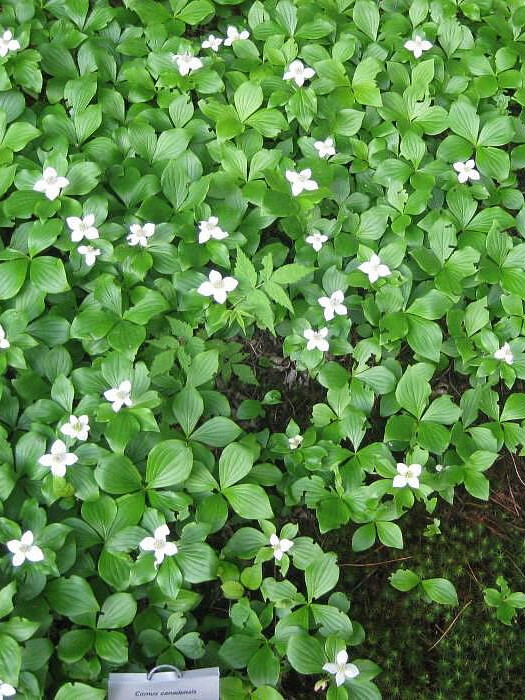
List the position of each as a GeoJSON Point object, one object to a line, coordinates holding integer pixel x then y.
{"type": "Point", "coordinates": [261, 292]}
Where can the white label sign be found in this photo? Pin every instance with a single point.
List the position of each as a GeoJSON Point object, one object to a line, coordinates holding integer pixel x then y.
{"type": "Point", "coordinates": [201, 684]}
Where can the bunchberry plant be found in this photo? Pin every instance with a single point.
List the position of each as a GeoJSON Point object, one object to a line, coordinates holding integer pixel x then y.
{"type": "Point", "coordinates": [180, 183]}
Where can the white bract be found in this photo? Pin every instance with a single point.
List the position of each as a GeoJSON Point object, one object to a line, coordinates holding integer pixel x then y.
{"type": "Point", "coordinates": [58, 459]}
{"type": "Point", "coordinates": [325, 148]}
{"type": "Point", "coordinates": [82, 228]}
{"type": "Point", "coordinates": [119, 396]}
{"type": "Point", "coordinates": [504, 353]}
{"type": "Point", "coordinates": [217, 286]}
{"type": "Point", "coordinates": [212, 42]}
{"type": "Point", "coordinates": [280, 547]}
{"type": "Point", "coordinates": [159, 545]}
{"type": "Point", "coordinates": [89, 254]}
{"type": "Point", "coordinates": [407, 475]}
{"type": "Point", "coordinates": [316, 339]}
{"type": "Point", "coordinates": [23, 549]}
{"type": "Point", "coordinates": [298, 72]}
{"type": "Point", "coordinates": [186, 62]}
{"type": "Point", "coordinates": [6, 690]}
{"type": "Point", "coordinates": [333, 305]}
{"type": "Point", "coordinates": [295, 442]}
{"type": "Point", "coordinates": [139, 234]}
{"type": "Point", "coordinates": [417, 45]}
{"type": "Point", "coordinates": [7, 43]}
{"type": "Point", "coordinates": [316, 240]}
{"type": "Point", "coordinates": [4, 343]}
{"type": "Point", "coordinates": [301, 181]}
{"type": "Point", "coordinates": [50, 183]}
{"type": "Point", "coordinates": [210, 229]}
{"type": "Point", "coordinates": [341, 669]}
{"type": "Point", "coordinates": [76, 427]}
{"type": "Point", "coordinates": [466, 171]}
{"type": "Point", "coordinates": [374, 268]}
{"type": "Point", "coordinates": [233, 34]}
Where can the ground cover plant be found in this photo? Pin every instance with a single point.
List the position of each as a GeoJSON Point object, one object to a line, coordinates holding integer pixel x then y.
{"type": "Point", "coordinates": [261, 303]}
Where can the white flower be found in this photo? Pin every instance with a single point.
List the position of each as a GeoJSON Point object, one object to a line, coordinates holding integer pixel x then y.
{"type": "Point", "coordinates": [466, 171]}
{"type": "Point", "coordinates": [504, 353]}
{"type": "Point", "coordinates": [280, 546]}
{"type": "Point", "coordinates": [90, 254]}
{"type": "Point", "coordinates": [23, 549]}
{"type": "Point", "coordinates": [7, 43]}
{"type": "Point", "coordinates": [210, 229]}
{"type": "Point", "coordinates": [295, 442]}
{"type": "Point", "coordinates": [217, 286]}
{"type": "Point", "coordinates": [58, 459]}
{"type": "Point", "coordinates": [76, 428]}
{"type": "Point", "coordinates": [316, 339]}
{"type": "Point", "coordinates": [139, 234]}
{"type": "Point", "coordinates": [4, 343]}
{"type": "Point", "coordinates": [417, 45]}
{"type": "Point", "coordinates": [298, 72]}
{"type": "Point", "coordinates": [407, 475]}
{"type": "Point", "coordinates": [6, 690]}
{"type": "Point", "coordinates": [333, 305]}
{"type": "Point", "coordinates": [325, 148]}
{"type": "Point", "coordinates": [120, 396]}
{"type": "Point", "coordinates": [341, 669]}
{"type": "Point", "coordinates": [301, 181]}
{"type": "Point", "coordinates": [158, 544]}
{"type": "Point", "coordinates": [82, 228]}
{"type": "Point", "coordinates": [50, 183]}
{"type": "Point", "coordinates": [374, 268]}
{"type": "Point", "coordinates": [186, 62]}
{"type": "Point", "coordinates": [439, 467]}
{"type": "Point", "coordinates": [233, 34]}
{"type": "Point", "coordinates": [212, 42]}
{"type": "Point", "coordinates": [316, 240]}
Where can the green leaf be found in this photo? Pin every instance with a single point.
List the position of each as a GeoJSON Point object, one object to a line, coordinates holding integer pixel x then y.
{"type": "Point", "coordinates": [493, 162]}
{"type": "Point", "coordinates": [464, 120]}
{"type": "Point", "coordinates": [247, 98]}
{"type": "Point", "coordinates": [404, 580]}
{"type": "Point", "coordinates": [514, 408]}
{"type": "Point", "coordinates": [73, 598]}
{"type": "Point", "coordinates": [348, 122]}
{"type": "Point", "coordinates": [364, 537]}
{"type": "Point", "coordinates": [12, 276]}
{"type": "Point", "coordinates": [196, 12]}
{"type": "Point", "coordinates": [6, 598]}
{"type": "Point", "coordinates": [321, 575]}
{"type": "Point", "coordinates": [290, 274]}
{"type": "Point", "coordinates": [117, 611]}
{"type": "Point", "coordinates": [117, 474]}
{"type": "Point", "coordinates": [48, 275]}
{"type": "Point", "coordinates": [244, 269]}
{"type": "Point", "coordinates": [366, 18]}
{"type": "Point", "coordinates": [413, 389]}
{"type": "Point", "coordinates": [79, 691]}
{"type": "Point", "coordinates": [19, 135]}
{"type": "Point", "coordinates": [169, 578]}
{"type": "Point", "coordinates": [112, 646]}
{"type": "Point", "coordinates": [234, 464]}
{"type": "Point", "coordinates": [217, 432]}
{"type": "Point", "coordinates": [203, 367]}
{"type": "Point", "coordinates": [496, 132]}
{"type": "Point", "coordinates": [440, 590]}
{"type": "Point", "coordinates": [305, 654]}
{"type": "Point", "coordinates": [10, 659]}
{"type": "Point", "coordinates": [188, 407]}
{"type": "Point", "coordinates": [249, 501]}
{"type": "Point", "coordinates": [169, 463]}
{"type": "Point", "coordinates": [390, 534]}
